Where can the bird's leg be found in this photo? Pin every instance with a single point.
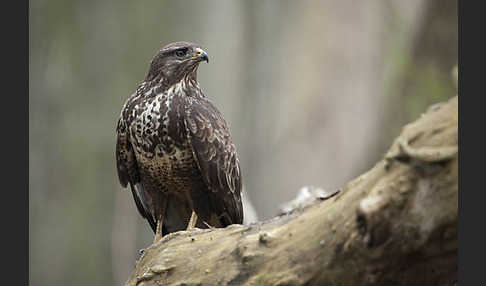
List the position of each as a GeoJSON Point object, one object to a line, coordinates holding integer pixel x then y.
{"type": "Point", "coordinates": [208, 225]}
{"type": "Point", "coordinates": [160, 221]}
{"type": "Point", "coordinates": [192, 221]}
{"type": "Point", "coordinates": [158, 232]}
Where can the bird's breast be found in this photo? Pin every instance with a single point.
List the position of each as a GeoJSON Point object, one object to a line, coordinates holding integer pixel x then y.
{"type": "Point", "coordinates": [157, 125]}
{"type": "Point", "coordinates": [158, 135]}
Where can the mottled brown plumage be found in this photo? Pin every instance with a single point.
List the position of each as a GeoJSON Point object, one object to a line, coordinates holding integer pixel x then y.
{"type": "Point", "coordinates": [174, 148]}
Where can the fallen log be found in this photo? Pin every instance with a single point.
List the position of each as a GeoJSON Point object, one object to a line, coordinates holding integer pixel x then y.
{"type": "Point", "coordinates": [394, 225]}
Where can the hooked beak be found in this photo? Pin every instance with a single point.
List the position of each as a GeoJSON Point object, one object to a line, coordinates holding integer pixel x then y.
{"type": "Point", "coordinates": [201, 54]}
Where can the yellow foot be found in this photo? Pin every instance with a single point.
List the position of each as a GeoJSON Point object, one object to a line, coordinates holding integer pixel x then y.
{"type": "Point", "coordinates": [192, 221]}
{"type": "Point", "coordinates": [158, 231]}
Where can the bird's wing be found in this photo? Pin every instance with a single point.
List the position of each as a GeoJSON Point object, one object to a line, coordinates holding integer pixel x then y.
{"type": "Point", "coordinates": [126, 165]}
{"type": "Point", "coordinates": [216, 156]}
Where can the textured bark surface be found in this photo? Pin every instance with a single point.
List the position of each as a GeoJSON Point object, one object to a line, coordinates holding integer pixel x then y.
{"type": "Point", "coordinates": [394, 225]}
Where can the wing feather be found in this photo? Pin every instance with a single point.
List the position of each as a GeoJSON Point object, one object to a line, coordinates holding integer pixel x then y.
{"type": "Point", "coordinates": [126, 165]}
{"type": "Point", "coordinates": [217, 159]}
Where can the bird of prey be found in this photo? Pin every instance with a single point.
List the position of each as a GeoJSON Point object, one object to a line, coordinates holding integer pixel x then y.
{"type": "Point", "coordinates": [175, 150]}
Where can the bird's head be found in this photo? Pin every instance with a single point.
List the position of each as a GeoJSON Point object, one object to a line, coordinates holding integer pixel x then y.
{"type": "Point", "coordinates": [175, 62]}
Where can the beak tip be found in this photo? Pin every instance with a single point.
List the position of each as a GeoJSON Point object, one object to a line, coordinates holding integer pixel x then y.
{"type": "Point", "coordinates": [202, 55]}
{"type": "Point", "coordinates": [205, 57]}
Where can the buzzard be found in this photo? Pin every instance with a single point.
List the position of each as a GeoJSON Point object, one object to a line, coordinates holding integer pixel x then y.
{"type": "Point", "coordinates": [175, 150]}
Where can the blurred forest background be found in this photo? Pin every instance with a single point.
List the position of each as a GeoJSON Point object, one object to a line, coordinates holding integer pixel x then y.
{"type": "Point", "coordinates": [314, 92]}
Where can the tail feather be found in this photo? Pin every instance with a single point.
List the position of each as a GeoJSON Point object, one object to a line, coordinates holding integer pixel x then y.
{"type": "Point", "coordinates": [140, 201]}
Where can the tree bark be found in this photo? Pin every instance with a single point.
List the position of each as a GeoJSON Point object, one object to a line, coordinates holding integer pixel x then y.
{"type": "Point", "coordinates": [394, 225]}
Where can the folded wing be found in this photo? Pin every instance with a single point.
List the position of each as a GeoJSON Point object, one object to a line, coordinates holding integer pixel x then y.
{"type": "Point", "coordinates": [128, 172]}
{"type": "Point", "coordinates": [217, 159]}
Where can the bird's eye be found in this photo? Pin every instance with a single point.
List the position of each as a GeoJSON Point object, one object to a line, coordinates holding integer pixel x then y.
{"type": "Point", "coordinates": [180, 53]}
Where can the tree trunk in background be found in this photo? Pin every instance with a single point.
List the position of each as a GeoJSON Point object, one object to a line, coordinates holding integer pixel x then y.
{"type": "Point", "coordinates": [325, 96]}
{"type": "Point", "coordinates": [420, 71]}
{"type": "Point", "coordinates": [394, 225]}
{"type": "Point", "coordinates": [312, 105]}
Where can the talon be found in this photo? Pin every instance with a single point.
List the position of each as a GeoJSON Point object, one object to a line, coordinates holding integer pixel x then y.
{"type": "Point", "coordinates": [208, 225]}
